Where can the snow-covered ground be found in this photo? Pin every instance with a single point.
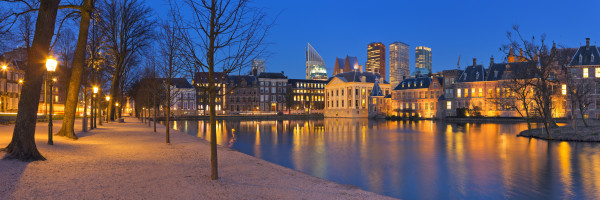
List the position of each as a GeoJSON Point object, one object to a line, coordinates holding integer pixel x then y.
{"type": "Point", "coordinates": [129, 161]}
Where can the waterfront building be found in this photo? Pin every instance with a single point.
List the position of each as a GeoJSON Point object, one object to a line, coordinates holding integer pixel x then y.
{"type": "Point", "coordinates": [376, 58]}
{"type": "Point", "coordinates": [258, 66]}
{"type": "Point", "coordinates": [315, 66]}
{"type": "Point", "coordinates": [422, 60]}
{"type": "Point", "coordinates": [273, 90]}
{"type": "Point", "coordinates": [242, 96]}
{"type": "Point", "coordinates": [399, 63]}
{"type": "Point", "coordinates": [418, 97]}
{"type": "Point", "coordinates": [584, 68]}
{"type": "Point", "coordinates": [183, 97]}
{"type": "Point", "coordinates": [345, 65]}
{"type": "Point", "coordinates": [347, 94]}
{"type": "Point", "coordinates": [378, 102]}
{"type": "Point", "coordinates": [306, 96]}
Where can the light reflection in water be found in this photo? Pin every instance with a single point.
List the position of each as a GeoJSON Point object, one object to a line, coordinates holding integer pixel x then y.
{"type": "Point", "coordinates": [419, 160]}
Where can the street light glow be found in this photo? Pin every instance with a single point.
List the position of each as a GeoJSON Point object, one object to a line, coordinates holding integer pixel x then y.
{"type": "Point", "coordinates": [107, 98]}
{"type": "Point", "coordinates": [95, 90]}
{"type": "Point", "coordinates": [4, 67]}
{"type": "Point", "coordinates": [50, 65]}
{"type": "Point", "coordinates": [21, 81]}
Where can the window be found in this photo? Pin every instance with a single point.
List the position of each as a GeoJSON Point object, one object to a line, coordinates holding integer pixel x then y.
{"type": "Point", "coordinates": [564, 89]}
{"type": "Point", "coordinates": [458, 93]}
{"type": "Point", "coordinates": [449, 105]}
{"type": "Point", "coordinates": [480, 92]}
{"type": "Point", "coordinates": [585, 72]}
{"type": "Point", "coordinates": [597, 72]}
{"type": "Point", "coordinates": [580, 59]}
{"type": "Point", "coordinates": [592, 58]}
{"type": "Point", "coordinates": [472, 92]}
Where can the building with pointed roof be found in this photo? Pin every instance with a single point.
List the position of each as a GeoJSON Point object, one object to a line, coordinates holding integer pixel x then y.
{"type": "Point", "coordinates": [346, 65]}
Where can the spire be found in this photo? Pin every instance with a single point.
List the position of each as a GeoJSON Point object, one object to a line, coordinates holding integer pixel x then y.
{"type": "Point", "coordinates": [376, 92]}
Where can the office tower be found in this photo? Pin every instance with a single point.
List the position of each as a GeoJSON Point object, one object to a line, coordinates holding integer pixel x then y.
{"type": "Point", "coordinates": [315, 66]}
{"type": "Point", "coordinates": [399, 61]}
{"type": "Point", "coordinates": [376, 58]}
{"type": "Point", "coordinates": [422, 60]}
{"type": "Point", "coordinates": [258, 66]}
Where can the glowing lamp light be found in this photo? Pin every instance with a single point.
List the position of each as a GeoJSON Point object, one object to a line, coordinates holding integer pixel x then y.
{"type": "Point", "coordinates": [117, 104]}
{"type": "Point", "coordinates": [95, 90]}
{"type": "Point", "coordinates": [51, 65]}
{"type": "Point", "coordinates": [4, 67]}
{"type": "Point", "coordinates": [54, 79]}
{"type": "Point", "coordinates": [107, 98]}
{"type": "Point", "coordinates": [21, 81]}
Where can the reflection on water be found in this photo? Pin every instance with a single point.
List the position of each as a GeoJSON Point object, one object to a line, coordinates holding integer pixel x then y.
{"type": "Point", "coordinates": [419, 160]}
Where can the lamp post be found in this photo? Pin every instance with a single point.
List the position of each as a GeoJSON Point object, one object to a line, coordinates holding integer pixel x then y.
{"type": "Point", "coordinates": [94, 108]}
{"type": "Point", "coordinates": [107, 106]}
{"type": "Point", "coordinates": [116, 108]}
{"type": "Point", "coordinates": [50, 67]}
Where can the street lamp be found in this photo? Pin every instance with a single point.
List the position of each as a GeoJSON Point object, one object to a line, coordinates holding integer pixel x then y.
{"type": "Point", "coordinates": [116, 109]}
{"type": "Point", "coordinates": [51, 67]}
{"type": "Point", "coordinates": [4, 67]}
{"type": "Point", "coordinates": [107, 106]}
{"type": "Point", "coordinates": [94, 108]}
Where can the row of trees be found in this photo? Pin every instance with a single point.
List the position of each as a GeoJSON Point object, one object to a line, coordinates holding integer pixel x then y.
{"type": "Point", "coordinates": [217, 37]}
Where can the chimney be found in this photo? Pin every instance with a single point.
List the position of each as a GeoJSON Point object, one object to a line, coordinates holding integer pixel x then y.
{"type": "Point", "coordinates": [520, 52]}
{"type": "Point", "coordinates": [587, 42]}
{"type": "Point", "coordinates": [474, 62]}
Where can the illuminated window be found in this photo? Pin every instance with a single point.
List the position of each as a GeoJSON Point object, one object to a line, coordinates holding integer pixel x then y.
{"type": "Point", "coordinates": [597, 72]}
{"type": "Point", "coordinates": [458, 93]}
{"type": "Point", "coordinates": [564, 89]}
{"type": "Point", "coordinates": [585, 72]}
{"type": "Point", "coordinates": [449, 105]}
{"type": "Point", "coordinates": [472, 92]}
{"type": "Point", "coordinates": [480, 92]}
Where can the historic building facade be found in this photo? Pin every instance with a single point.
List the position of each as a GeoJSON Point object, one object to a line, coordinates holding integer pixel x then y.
{"type": "Point", "coordinates": [584, 68]}
{"type": "Point", "coordinates": [347, 94]}
{"type": "Point", "coordinates": [417, 97]}
{"type": "Point", "coordinates": [273, 90]}
{"type": "Point", "coordinates": [306, 96]}
{"type": "Point", "coordinates": [242, 95]}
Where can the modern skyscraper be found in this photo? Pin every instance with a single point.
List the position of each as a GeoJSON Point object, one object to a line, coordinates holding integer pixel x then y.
{"type": "Point", "coordinates": [376, 58]}
{"type": "Point", "coordinates": [423, 60]}
{"type": "Point", "coordinates": [315, 66]}
{"type": "Point", "coordinates": [399, 63]}
{"type": "Point", "coordinates": [258, 66]}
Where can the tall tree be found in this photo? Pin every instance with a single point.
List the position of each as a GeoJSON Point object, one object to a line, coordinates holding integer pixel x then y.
{"type": "Point", "coordinates": [127, 26]}
{"type": "Point", "coordinates": [79, 62]}
{"type": "Point", "coordinates": [169, 39]}
{"type": "Point", "coordinates": [22, 146]}
{"type": "Point", "coordinates": [221, 37]}
{"type": "Point", "coordinates": [542, 61]}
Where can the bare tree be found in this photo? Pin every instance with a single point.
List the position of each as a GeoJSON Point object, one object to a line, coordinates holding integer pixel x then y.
{"type": "Point", "coordinates": [540, 61]}
{"type": "Point", "coordinates": [221, 35]}
{"type": "Point", "coordinates": [79, 62]}
{"type": "Point", "coordinates": [519, 94]}
{"type": "Point", "coordinates": [127, 26]}
{"type": "Point", "coordinates": [22, 145]}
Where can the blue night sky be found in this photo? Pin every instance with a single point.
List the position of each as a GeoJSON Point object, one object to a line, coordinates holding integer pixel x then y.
{"type": "Point", "coordinates": [471, 28]}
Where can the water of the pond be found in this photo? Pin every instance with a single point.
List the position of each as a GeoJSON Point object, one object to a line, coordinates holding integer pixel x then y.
{"type": "Point", "coordinates": [419, 160]}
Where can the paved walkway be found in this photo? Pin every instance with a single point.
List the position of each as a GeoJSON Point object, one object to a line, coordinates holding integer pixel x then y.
{"type": "Point", "coordinates": [129, 161]}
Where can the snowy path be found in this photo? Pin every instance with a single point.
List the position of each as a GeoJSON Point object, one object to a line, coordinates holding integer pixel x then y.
{"type": "Point", "coordinates": [129, 161]}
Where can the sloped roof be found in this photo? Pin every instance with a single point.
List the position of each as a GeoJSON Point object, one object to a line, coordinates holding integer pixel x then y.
{"type": "Point", "coordinates": [586, 53]}
{"type": "Point", "coordinates": [273, 75]}
{"type": "Point", "coordinates": [472, 74]}
{"type": "Point", "coordinates": [414, 83]}
{"type": "Point", "coordinates": [354, 76]}
{"type": "Point", "coordinates": [502, 71]}
{"type": "Point", "coordinates": [236, 79]}
{"type": "Point", "coordinates": [179, 82]}
{"type": "Point", "coordinates": [376, 92]}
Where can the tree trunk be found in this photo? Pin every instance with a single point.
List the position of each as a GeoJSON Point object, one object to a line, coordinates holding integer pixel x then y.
{"type": "Point", "coordinates": [573, 118]}
{"type": "Point", "coordinates": [113, 92]}
{"type": "Point", "coordinates": [22, 146]}
{"type": "Point", "coordinates": [154, 112]}
{"type": "Point", "coordinates": [84, 120]}
{"type": "Point", "coordinates": [214, 173]}
{"type": "Point", "coordinates": [582, 113]}
{"type": "Point", "coordinates": [68, 125]}
{"type": "Point", "coordinates": [168, 115]}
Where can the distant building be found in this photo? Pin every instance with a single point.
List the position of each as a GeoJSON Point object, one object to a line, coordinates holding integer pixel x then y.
{"type": "Point", "coordinates": [399, 63]}
{"type": "Point", "coordinates": [273, 87]}
{"type": "Point", "coordinates": [242, 95]}
{"type": "Point", "coordinates": [422, 60]}
{"type": "Point", "coordinates": [258, 66]}
{"type": "Point", "coordinates": [376, 58]}
{"type": "Point", "coordinates": [418, 97]}
{"type": "Point", "coordinates": [306, 96]}
{"type": "Point", "coordinates": [346, 65]}
{"type": "Point", "coordinates": [183, 97]}
{"type": "Point", "coordinates": [347, 94]}
{"type": "Point", "coordinates": [12, 64]}
{"type": "Point", "coordinates": [585, 64]}
{"type": "Point", "coordinates": [315, 66]}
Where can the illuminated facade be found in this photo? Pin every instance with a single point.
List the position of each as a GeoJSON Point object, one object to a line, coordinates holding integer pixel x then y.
{"type": "Point", "coordinates": [422, 60]}
{"type": "Point", "coordinates": [417, 97]}
{"type": "Point", "coordinates": [584, 68]}
{"type": "Point", "coordinates": [399, 63]}
{"type": "Point", "coordinates": [347, 94]}
{"type": "Point", "coordinates": [306, 96]}
{"type": "Point", "coordinates": [376, 58]}
{"type": "Point", "coordinates": [315, 66]}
